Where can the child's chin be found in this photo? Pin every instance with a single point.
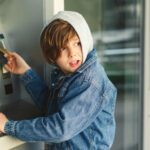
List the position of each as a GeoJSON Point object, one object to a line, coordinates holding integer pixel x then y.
{"type": "Point", "coordinates": [69, 71]}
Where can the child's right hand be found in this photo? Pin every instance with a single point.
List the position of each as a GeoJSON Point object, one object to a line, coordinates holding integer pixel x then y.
{"type": "Point", "coordinates": [16, 63]}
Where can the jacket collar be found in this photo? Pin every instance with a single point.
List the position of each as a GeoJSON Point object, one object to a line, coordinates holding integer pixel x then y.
{"type": "Point", "coordinates": [91, 58]}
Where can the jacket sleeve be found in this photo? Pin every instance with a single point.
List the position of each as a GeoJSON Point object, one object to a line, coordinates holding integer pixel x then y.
{"type": "Point", "coordinates": [38, 90]}
{"type": "Point", "coordinates": [77, 111]}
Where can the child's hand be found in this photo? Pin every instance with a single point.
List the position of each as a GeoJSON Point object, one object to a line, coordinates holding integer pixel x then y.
{"type": "Point", "coordinates": [3, 121]}
{"type": "Point", "coordinates": [16, 63]}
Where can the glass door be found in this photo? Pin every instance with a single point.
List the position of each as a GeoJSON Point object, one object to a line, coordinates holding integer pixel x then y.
{"type": "Point", "coordinates": [116, 29]}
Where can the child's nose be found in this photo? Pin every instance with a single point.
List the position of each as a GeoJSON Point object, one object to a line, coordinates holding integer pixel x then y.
{"type": "Point", "coordinates": [71, 52]}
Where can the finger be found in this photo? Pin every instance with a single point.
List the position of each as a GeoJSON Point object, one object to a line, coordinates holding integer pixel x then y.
{"type": "Point", "coordinates": [5, 55]}
{"type": "Point", "coordinates": [11, 60]}
{"type": "Point", "coordinates": [11, 65]}
{"type": "Point", "coordinates": [8, 55]}
{"type": "Point", "coordinates": [13, 54]}
{"type": "Point", "coordinates": [9, 68]}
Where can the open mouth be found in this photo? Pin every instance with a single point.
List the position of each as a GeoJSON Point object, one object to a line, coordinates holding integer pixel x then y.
{"type": "Point", "coordinates": [74, 63]}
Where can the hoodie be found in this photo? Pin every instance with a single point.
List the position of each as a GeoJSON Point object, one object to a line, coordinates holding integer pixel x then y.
{"type": "Point", "coordinates": [81, 27]}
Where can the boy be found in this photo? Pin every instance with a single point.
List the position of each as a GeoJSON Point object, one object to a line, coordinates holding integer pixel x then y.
{"type": "Point", "coordinates": [79, 105]}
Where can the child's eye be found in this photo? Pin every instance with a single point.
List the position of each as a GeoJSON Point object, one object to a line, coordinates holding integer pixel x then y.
{"type": "Point", "coordinates": [64, 48]}
{"type": "Point", "coordinates": [77, 44]}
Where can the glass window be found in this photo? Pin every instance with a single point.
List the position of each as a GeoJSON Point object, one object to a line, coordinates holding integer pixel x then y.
{"type": "Point", "coordinates": [116, 26]}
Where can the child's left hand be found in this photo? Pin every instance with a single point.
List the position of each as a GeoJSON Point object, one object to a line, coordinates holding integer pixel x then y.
{"type": "Point", "coordinates": [3, 121]}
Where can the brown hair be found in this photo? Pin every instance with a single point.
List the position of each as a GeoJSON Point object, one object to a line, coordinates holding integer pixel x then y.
{"type": "Point", "coordinates": [55, 37]}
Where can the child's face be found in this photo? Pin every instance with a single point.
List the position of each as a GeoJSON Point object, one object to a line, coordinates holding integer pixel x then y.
{"type": "Point", "coordinates": [70, 58]}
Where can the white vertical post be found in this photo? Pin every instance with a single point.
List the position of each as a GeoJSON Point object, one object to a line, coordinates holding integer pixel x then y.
{"type": "Point", "coordinates": [146, 133]}
{"type": "Point", "coordinates": [51, 7]}
{"type": "Point", "coordinates": [58, 5]}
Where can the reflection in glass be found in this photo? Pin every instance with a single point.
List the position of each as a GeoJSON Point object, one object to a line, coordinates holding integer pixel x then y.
{"type": "Point", "coordinates": [115, 27]}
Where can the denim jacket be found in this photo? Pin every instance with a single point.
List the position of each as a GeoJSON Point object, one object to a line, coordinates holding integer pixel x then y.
{"type": "Point", "coordinates": [79, 109]}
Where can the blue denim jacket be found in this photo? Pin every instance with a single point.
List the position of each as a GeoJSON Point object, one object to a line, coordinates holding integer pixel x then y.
{"type": "Point", "coordinates": [79, 109]}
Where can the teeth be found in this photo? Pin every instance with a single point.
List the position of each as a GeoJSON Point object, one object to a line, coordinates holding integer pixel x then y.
{"type": "Point", "coordinates": [74, 62]}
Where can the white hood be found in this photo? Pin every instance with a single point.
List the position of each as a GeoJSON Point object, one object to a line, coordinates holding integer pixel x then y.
{"type": "Point", "coordinates": [81, 27]}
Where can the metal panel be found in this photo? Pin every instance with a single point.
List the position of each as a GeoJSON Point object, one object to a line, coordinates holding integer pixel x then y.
{"type": "Point", "coordinates": [21, 22]}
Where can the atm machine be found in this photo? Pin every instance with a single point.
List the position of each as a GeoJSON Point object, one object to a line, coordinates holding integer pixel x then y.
{"type": "Point", "coordinates": [14, 104]}
{"type": "Point", "coordinates": [11, 101]}
{"type": "Point", "coordinates": [21, 22]}
{"type": "Point", "coordinates": [7, 86]}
